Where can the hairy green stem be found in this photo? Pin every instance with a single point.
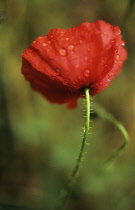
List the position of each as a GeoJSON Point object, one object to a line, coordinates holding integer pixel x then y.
{"type": "Point", "coordinates": [66, 192]}
{"type": "Point", "coordinates": [85, 135]}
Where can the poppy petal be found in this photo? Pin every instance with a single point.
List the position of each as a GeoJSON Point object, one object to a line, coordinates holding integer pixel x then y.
{"type": "Point", "coordinates": [63, 63]}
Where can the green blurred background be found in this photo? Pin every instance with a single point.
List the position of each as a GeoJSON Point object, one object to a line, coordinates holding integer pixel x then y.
{"type": "Point", "coordinates": [39, 141]}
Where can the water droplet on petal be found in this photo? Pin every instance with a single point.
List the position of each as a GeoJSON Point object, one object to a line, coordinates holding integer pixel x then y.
{"type": "Point", "coordinates": [112, 41]}
{"type": "Point", "coordinates": [87, 73]}
{"type": "Point", "coordinates": [35, 41]}
{"type": "Point", "coordinates": [117, 57]}
{"type": "Point", "coordinates": [105, 66]}
{"type": "Point", "coordinates": [70, 47]}
{"type": "Point", "coordinates": [117, 29]}
{"type": "Point", "coordinates": [85, 58]}
{"type": "Point", "coordinates": [79, 77]}
{"type": "Point", "coordinates": [44, 44]}
{"type": "Point", "coordinates": [67, 39]}
{"type": "Point", "coordinates": [63, 52]}
{"type": "Point", "coordinates": [123, 43]}
{"type": "Point", "coordinates": [30, 50]}
{"type": "Point", "coordinates": [57, 71]}
{"type": "Point", "coordinates": [65, 82]}
{"type": "Point", "coordinates": [80, 41]}
{"type": "Point", "coordinates": [49, 42]}
{"type": "Point", "coordinates": [108, 80]}
{"type": "Point", "coordinates": [53, 77]}
{"type": "Point", "coordinates": [120, 63]}
{"type": "Point", "coordinates": [76, 66]}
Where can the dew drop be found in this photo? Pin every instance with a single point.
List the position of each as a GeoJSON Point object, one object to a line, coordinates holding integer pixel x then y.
{"type": "Point", "coordinates": [57, 71]}
{"type": "Point", "coordinates": [63, 52]}
{"type": "Point", "coordinates": [108, 80]}
{"type": "Point", "coordinates": [79, 77]}
{"type": "Point", "coordinates": [112, 41]}
{"type": "Point", "coordinates": [85, 58]}
{"type": "Point", "coordinates": [117, 57]}
{"type": "Point", "coordinates": [123, 43]}
{"type": "Point", "coordinates": [70, 47]}
{"type": "Point", "coordinates": [76, 66]}
{"type": "Point", "coordinates": [87, 73]}
{"type": "Point", "coordinates": [67, 39]}
{"type": "Point", "coordinates": [114, 65]}
{"type": "Point", "coordinates": [53, 77]}
{"type": "Point", "coordinates": [65, 82]}
{"type": "Point", "coordinates": [120, 63]}
{"type": "Point", "coordinates": [34, 42]}
{"type": "Point", "coordinates": [80, 41]}
{"type": "Point", "coordinates": [44, 44]}
{"type": "Point", "coordinates": [30, 50]}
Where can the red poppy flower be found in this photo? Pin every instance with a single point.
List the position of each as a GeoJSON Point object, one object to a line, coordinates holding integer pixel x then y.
{"type": "Point", "coordinates": [63, 63]}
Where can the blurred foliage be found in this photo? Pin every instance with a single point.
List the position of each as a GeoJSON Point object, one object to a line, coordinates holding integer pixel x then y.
{"type": "Point", "coordinates": [39, 141]}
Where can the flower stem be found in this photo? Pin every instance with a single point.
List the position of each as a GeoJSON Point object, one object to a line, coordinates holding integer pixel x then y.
{"type": "Point", "coordinates": [66, 192]}
{"type": "Point", "coordinates": [108, 116]}
{"type": "Point", "coordinates": [85, 135]}
{"type": "Point", "coordinates": [123, 131]}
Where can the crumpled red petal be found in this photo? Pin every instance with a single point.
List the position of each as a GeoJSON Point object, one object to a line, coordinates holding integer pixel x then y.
{"type": "Point", "coordinates": [63, 63]}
